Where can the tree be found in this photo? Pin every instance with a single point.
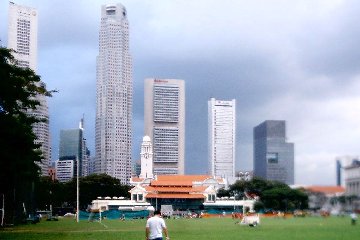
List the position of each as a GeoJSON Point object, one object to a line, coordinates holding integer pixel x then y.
{"type": "Point", "coordinates": [273, 195]}
{"type": "Point", "coordinates": [18, 151]}
{"type": "Point", "coordinates": [93, 186]}
{"type": "Point", "coordinates": [49, 192]}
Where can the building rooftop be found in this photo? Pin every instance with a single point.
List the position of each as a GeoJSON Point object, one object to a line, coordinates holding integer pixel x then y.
{"type": "Point", "coordinates": [177, 180]}
{"type": "Point", "coordinates": [175, 196]}
{"type": "Point", "coordinates": [326, 189]}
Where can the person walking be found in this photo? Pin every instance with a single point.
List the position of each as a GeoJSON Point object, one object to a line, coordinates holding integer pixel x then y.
{"type": "Point", "coordinates": [155, 226]}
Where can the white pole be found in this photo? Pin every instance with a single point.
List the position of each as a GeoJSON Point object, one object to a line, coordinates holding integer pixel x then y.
{"type": "Point", "coordinates": [234, 203]}
{"type": "Point", "coordinates": [77, 190]}
{"type": "Point", "coordinates": [3, 210]}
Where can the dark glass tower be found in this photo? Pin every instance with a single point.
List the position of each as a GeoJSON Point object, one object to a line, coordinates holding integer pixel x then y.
{"type": "Point", "coordinates": [273, 156]}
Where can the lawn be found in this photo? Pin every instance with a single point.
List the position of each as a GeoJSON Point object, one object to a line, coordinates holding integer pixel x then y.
{"type": "Point", "coordinates": [308, 228]}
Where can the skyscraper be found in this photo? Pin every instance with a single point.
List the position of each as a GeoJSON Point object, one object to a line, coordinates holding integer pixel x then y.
{"type": "Point", "coordinates": [341, 163]}
{"type": "Point", "coordinates": [72, 147]}
{"type": "Point", "coordinates": [164, 117]}
{"type": "Point", "coordinates": [22, 37]}
{"type": "Point", "coordinates": [114, 93]}
{"type": "Point", "coordinates": [221, 135]}
{"type": "Point", "coordinates": [273, 155]}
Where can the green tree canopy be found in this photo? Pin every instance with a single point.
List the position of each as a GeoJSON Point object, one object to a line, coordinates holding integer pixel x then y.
{"type": "Point", "coordinates": [49, 192]}
{"type": "Point", "coordinates": [96, 185]}
{"type": "Point", "coordinates": [18, 151]}
{"type": "Point", "coordinates": [272, 195]}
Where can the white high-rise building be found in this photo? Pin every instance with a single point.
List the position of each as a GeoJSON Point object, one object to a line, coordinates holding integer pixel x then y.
{"type": "Point", "coordinates": [164, 117]}
{"type": "Point", "coordinates": [22, 37]}
{"type": "Point", "coordinates": [114, 94]}
{"type": "Point", "coordinates": [65, 170]}
{"type": "Point", "coordinates": [146, 158]}
{"type": "Point", "coordinates": [221, 133]}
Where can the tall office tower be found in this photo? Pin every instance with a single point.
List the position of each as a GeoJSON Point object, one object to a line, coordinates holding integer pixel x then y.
{"type": "Point", "coordinates": [338, 172]}
{"type": "Point", "coordinates": [72, 147]}
{"type": "Point", "coordinates": [164, 117]}
{"type": "Point", "coordinates": [273, 156]}
{"type": "Point", "coordinates": [85, 152]}
{"type": "Point", "coordinates": [113, 131]}
{"type": "Point", "coordinates": [221, 136]}
{"type": "Point", "coordinates": [22, 37]}
{"type": "Point", "coordinates": [341, 163]}
{"type": "Point", "coordinates": [91, 165]}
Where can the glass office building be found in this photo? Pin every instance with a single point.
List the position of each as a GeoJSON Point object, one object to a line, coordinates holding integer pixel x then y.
{"type": "Point", "coordinates": [273, 155]}
{"type": "Point", "coordinates": [221, 137]}
{"type": "Point", "coordinates": [113, 125]}
{"type": "Point", "coordinates": [164, 117]}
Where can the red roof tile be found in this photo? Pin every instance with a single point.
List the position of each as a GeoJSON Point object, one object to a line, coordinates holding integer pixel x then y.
{"type": "Point", "coordinates": [326, 189]}
{"type": "Point", "coordinates": [190, 178]}
{"type": "Point", "coordinates": [175, 189]}
{"type": "Point", "coordinates": [136, 179]}
{"type": "Point", "coordinates": [179, 180]}
{"type": "Point", "coordinates": [169, 195]}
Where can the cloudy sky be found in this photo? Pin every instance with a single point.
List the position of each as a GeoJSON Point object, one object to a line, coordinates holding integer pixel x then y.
{"type": "Point", "coordinates": [297, 61]}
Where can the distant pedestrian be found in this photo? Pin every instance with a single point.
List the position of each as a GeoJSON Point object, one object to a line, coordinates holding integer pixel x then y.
{"type": "Point", "coordinates": [155, 226]}
{"type": "Point", "coordinates": [353, 218]}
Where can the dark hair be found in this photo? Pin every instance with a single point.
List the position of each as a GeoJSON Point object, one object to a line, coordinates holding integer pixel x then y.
{"type": "Point", "coordinates": [157, 212]}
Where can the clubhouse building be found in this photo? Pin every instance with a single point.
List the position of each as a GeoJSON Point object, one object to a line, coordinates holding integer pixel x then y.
{"type": "Point", "coordinates": [181, 192]}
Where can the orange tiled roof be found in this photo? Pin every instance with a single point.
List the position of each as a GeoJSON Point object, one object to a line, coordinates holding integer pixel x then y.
{"type": "Point", "coordinates": [136, 179]}
{"type": "Point", "coordinates": [175, 189]}
{"type": "Point", "coordinates": [326, 189]}
{"type": "Point", "coordinates": [190, 178]}
{"type": "Point", "coordinates": [170, 195]}
{"type": "Point", "coordinates": [199, 189]}
{"type": "Point", "coordinates": [149, 188]}
{"type": "Point", "coordinates": [171, 183]}
{"type": "Point", "coordinates": [178, 180]}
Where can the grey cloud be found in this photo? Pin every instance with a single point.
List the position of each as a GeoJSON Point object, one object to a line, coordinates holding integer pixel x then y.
{"type": "Point", "coordinates": [271, 56]}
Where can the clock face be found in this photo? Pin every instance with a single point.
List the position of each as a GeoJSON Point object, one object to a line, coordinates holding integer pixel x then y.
{"type": "Point", "coordinates": [146, 155]}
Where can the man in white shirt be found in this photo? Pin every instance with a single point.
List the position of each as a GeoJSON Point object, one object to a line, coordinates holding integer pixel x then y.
{"type": "Point", "coordinates": [155, 226]}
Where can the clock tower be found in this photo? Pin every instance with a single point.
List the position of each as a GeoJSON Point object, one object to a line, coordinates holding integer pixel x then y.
{"type": "Point", "coordinates": [146, 158]}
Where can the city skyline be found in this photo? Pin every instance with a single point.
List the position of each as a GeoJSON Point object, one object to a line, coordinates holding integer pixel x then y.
{"type": "Point", "coordinates": [278, 59]}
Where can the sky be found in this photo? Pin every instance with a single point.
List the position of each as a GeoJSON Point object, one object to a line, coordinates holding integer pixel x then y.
{"type": "Point", "coordinates": [297, 61]}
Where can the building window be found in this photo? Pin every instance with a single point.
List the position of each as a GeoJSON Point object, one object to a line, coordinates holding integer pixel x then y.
{"type": "Point", "coordinates": [272, 158]}
{"type": "Point", "coordinates": [211, 197]}
{"type": "Point", "coordinates": [138, 197]}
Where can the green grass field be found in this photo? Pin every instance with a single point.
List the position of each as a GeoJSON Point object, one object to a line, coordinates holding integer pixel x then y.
{"type": "Point", "coordinates": [308, 228]}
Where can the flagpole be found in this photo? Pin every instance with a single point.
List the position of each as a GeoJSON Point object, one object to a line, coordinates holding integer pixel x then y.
{"type": "Point", "coordinates": [77, 190]}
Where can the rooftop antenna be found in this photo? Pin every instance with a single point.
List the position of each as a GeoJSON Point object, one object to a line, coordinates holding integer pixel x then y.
{"type": "Point", "coordinates": [81, 124]}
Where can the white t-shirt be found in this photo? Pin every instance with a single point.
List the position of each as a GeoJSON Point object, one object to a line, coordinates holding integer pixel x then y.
{"type": "Point", "coordinates": [156, 225]}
